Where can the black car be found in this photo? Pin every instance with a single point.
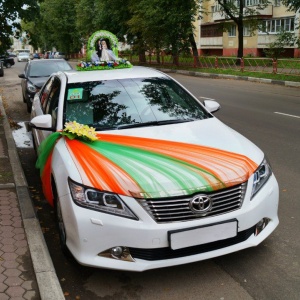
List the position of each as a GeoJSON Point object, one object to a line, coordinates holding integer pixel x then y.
{"type": "Point", "coordinates": [7, 61]}
{"type": "Point", "coordinates": [36, 73]}
{"type": "Point", "coordinates": [1, 69]}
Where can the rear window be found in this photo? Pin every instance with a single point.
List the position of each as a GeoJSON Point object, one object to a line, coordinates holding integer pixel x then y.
{"type": "Point", "coordinates": [46, 69]}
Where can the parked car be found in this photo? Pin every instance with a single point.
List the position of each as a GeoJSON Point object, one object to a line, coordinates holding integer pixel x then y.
{"type": "Point", "coordinates": [161, 181]}
{"type": "Point", "coordinates": [36, 72]}
{"type": "Point", "coordinates": [12, 54]}
{"type": "Point", "coordinates": [23, 56]}
{"type": "Point", "coordinates": [8, 62]}
{"type": "Point", "coordinates": [35, 56]}
{"type": "Point", "coordinates": [1, 69]}
{"type": "Point", "coordinates": [59, 55]}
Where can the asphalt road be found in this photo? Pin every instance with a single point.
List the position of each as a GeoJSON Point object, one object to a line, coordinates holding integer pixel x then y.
{"type": "Point", "coordinates": [269, 115]}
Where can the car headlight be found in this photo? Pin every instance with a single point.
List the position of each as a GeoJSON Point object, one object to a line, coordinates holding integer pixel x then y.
{"type": "Point", "coordinates": [91, 198]}
{"type": "Point", "coordinates": [30, 87]}
{"type": "Point", "coordinates": [261, 176]}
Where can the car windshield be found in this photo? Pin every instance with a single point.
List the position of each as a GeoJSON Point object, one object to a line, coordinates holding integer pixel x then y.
{"type": "Point", "coordinates": [45, 69]}
{"type": "Point", "coordinates": [125, 103]}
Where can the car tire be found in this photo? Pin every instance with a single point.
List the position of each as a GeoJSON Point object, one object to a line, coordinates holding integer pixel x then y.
{"type": "Point", "coordinates": [60, 223]}
{"type": "Point", "coordinates": [29, 105]}
{"type": "Point", "coordinates": [8, 65]}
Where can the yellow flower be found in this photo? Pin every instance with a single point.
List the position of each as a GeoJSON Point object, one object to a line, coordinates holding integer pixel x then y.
{"type": "Point", "coordinates": [80, 130]}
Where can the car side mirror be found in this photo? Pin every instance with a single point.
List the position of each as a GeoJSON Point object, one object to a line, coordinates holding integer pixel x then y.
{"type": "Point", "coordinates": [21, 75]}
{"type": "Point", "coordinates": [211, 105]}
{"type": "Point", "coordinates": [43, 122]}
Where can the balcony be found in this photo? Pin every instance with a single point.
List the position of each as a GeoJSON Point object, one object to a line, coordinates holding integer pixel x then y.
{"type": "Point", "coordinates": [211, 42]}
{"type": "Point", "coordinates": [266, 12]}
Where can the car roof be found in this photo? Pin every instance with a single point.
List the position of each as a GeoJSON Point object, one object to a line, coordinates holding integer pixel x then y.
{"type": "Point", "coordinates": [96, 75]}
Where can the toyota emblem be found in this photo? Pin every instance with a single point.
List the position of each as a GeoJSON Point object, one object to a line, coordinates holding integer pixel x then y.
{"type": "Point", "coordinates": [201, 204]}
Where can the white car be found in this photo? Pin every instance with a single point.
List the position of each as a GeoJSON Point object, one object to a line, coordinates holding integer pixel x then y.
{"type": "Point", "coordinates": [23, 56]}
{"type": "Point", "coordinates": [164, 183]}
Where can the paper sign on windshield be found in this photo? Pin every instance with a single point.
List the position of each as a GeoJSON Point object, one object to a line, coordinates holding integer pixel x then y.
{"type": "Point", "coordinates": [75, 94]}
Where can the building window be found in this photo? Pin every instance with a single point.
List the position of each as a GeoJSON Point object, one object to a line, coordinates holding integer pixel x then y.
{"type": "Point", "coordinates": [277, 2]}
{"type": "Point", "coordinates": [246, 30]}
{"type": "Point", "coordinates": [232, 30]}
{"type": "Point", "coordinates": [211, 31]}
{"type": "Point", "coordinates": [278, 25]}
{"type": "Point", "coordinates": [254, 2]}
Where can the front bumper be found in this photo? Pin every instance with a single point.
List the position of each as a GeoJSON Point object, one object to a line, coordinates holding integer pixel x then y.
{"type": "Point", "coordinates": [90, 233]}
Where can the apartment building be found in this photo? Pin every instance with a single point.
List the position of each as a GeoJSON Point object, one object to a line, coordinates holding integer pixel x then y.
{"type": "Point", "coordinates": [211, 38]}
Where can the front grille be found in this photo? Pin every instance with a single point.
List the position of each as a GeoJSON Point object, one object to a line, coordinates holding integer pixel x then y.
{"type": "Point", "coordinates": [166, 210]}
{"type": "Point", "coordinates": [168, 253]}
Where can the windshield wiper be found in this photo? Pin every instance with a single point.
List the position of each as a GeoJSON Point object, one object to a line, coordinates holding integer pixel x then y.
{"type": "Point", "coordinates": [154, 123]}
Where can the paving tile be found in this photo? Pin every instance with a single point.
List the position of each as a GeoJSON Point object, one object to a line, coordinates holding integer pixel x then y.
{"type": "Point", "coordinates": [21, 250]}
{"type": "Point", "coordinates": [15, 291]}
{"type": "Point", "coordinates": [18, 230]}
{"type": "Point", "coordinates": [29, 295]}
{"type": "Point", "coordinates": [2, 277]}
{"type": "Point", "coordinates": [6, 222]}
{"type": "Point", "coordinates": [4, 296]}
{"type": "Point", "coordinates": [22, 243]}
{"type": "Point", "coordinates": [9, 248]}
{"type": "Point", "coordinates": [18, 224]}
{"type": "Point", "coordinates": [10, 265]}
{"type": "Point", "coordinates": [19, 237]}
{"type": "Point", "coordinates": [9, 256]}
{"type": "Point", "coordinates": [7, 228]}
{"type": "Point", "coordinates": [12, 272]}
{"type": "Point", "coordinates": [5, 217]}
{"type": "Point", "coordinates": [8, 241]}
{"type": "Point", "coordinates": [27, 285]}
{"type": "Point", "coordinates": [3, 288]}
{"type": "Point", "coordinates": [13, 281]}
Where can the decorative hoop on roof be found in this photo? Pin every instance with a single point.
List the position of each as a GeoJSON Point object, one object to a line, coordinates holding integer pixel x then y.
{"type": "Point", "coordinates": [102, 34]}
{"type": "Point", "coordinates": [94, 62]}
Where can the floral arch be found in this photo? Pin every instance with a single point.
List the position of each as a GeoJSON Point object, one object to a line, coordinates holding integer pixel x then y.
{"type": "Point", "coordinates": [101, 34]}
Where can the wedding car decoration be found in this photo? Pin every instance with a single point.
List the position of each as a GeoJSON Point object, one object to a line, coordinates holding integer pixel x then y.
{"type": "Point", "coordinates": [125, 158]}
{"type": "Point", "coordinates": [102, 53]}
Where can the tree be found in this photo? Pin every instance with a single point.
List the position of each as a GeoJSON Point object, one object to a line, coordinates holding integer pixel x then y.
{"type": "Point", "coordinates": [11, 11]}
{"type": "Point", "coordinates": [240, 14]}
{"type": "Point", "coordinates": [292, 5]}
{"type": "Point", "coordinates": [165, 24]}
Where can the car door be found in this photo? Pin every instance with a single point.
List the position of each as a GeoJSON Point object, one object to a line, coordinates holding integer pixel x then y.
{"type": "Point", "coordinates": [24, 81]}
{"type": "Point", "coordinates": [46, 103]}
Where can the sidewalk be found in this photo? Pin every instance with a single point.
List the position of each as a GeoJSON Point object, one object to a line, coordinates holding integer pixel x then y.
{"type": "Point", "coordinates": [26, 269]}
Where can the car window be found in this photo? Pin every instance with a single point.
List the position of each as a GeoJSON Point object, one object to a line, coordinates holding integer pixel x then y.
{"type": "Point", "coordinates": [46, 69]}
{"type": "Point", "coordinates": [51, 104]}
{"type": "Point", "coordinates": [44, 94]}
{"type": "Point", "coordinates": [117, 102]}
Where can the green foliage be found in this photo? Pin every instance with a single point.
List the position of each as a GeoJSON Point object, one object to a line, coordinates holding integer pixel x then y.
{"type": "Point", "coordinates": [277, 48]}
{"type": "Point", "coordinates": [293, 5]}
{"type": "Point", "coordinates": [11, 11]}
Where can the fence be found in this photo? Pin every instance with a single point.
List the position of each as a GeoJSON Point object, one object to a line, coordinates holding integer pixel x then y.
{"type": "Point", "coordinates": [265, 65]}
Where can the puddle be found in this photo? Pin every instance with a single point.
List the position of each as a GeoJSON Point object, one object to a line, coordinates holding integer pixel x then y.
{"type": "Point", "coordinates": [23, 138]}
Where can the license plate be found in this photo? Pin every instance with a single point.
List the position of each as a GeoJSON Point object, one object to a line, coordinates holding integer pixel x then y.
{"type": "Point", "coordinates": [202, 235]}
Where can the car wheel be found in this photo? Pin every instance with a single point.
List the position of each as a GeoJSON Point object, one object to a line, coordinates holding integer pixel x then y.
{"type": "Point", "coordinates": [29, 105]}
{"type": "Point", "coordinates": [8, 65]}
{"type": "Point", "coordinates": [60, 223]}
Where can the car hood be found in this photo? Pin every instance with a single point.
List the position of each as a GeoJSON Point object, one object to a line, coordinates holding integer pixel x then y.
{"type": "Point", "coordinates": [38, 81]}
{"type": "Point", "coordinates": [164, 161]}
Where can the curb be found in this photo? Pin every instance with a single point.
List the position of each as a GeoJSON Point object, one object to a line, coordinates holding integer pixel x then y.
{"type": "Point", "coordinates": [48, 283]}
{"type": "Point", "coordinates": [224, 76]}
